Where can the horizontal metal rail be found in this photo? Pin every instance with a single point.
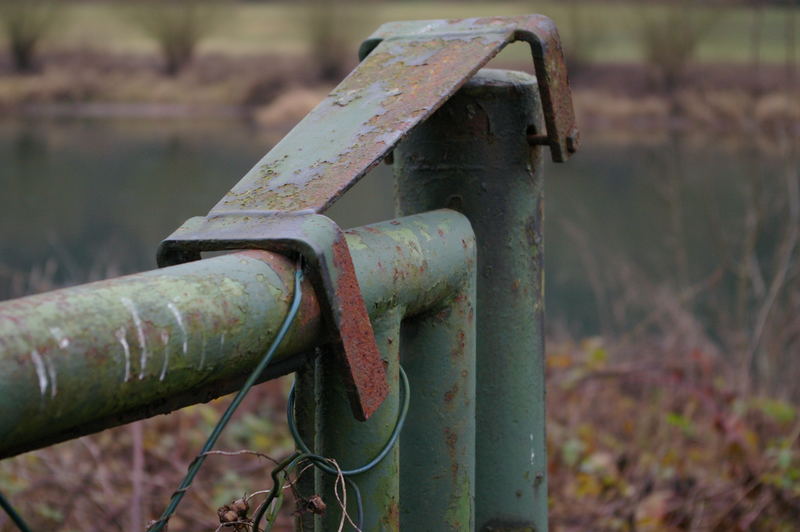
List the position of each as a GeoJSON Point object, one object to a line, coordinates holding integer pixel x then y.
{"type": "Point", "coordinates": [82, 359]}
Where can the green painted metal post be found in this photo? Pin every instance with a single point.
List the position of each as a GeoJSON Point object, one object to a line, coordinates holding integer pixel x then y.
{"type": "Point", "coordinates": [473, 156]}
{"type": "Point", "coordinates": [434, 488]}
{"type": "Point", "coordinates": [437, 477]}
{"type": "Point", "coordinates": [353, 443]}
{"type": "Point", "coordinates": [305, 416]}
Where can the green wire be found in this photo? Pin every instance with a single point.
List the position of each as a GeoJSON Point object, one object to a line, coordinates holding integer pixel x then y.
{"type": "Point", "coordinates": [194, 467]}
{"type": "Point", "coordinates": [12, 513]}
{"type": "Point", "coordinates": [401, 419]}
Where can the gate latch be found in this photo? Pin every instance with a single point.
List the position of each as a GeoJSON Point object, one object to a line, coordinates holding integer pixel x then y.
{"type": "Point", "coordinates": [408, 70]}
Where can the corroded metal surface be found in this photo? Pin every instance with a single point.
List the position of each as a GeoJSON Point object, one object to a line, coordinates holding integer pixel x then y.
{"type": "Point", "coordinates": [475, 149]}
{"type": "Point", "coordinates": [437, 346]}
{"type": "Point", "coordinates": [409, 70]}
{"type": "Point", "coordinates": [82, 359]}
{"type": "Point", "coordinates": [322, 244]}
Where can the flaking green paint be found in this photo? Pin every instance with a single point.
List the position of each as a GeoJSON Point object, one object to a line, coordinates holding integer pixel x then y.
{"type": "Point", "coordinates": [232, 305]}
{"type": "Point", "coordinates": [475, 148]}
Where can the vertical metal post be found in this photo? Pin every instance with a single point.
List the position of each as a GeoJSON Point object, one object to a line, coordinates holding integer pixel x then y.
{"type": "Point", "coordinates": [473, 156]}
{"type": "Point", "coordinates": [434, 489]}
{"type": "Point", "coordinates": [437, 477]}
{"type": "Point", "coordinates": [353, 443]}
{"type": "Point", "coordinates": [305, 416]}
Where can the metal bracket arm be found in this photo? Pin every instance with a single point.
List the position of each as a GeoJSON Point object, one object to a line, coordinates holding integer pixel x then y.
{"type": "Point", "coordinates": [409, 69]}
{"type": "Point", "coordinates": [320, 241]}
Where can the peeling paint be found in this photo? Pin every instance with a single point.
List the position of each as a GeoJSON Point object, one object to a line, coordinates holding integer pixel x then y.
{"type": "Point", "coordinates": [408, 70]}
{"type": "Point", "coordinates": [165, 341]}
{"type": "Point", "coordinates": [178, 318]}
{"type": "Point", "coordinates": [121, 335]}
{"type": "Point", "coordinates": [137, 321]}
{"type": "Point", "coordinates": [41, 372]}
{"type": "Point", "coordinates": [61, 340]}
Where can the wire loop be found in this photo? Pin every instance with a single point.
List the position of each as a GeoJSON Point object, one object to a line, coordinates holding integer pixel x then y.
{"type": "Point", "coordinates": [401, 419]}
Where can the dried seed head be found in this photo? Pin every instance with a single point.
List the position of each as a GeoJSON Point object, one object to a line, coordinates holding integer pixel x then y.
{"type": "Point", "coordinates": [240, 506]}
{"type": "Point", "coordinates": [229, 517]}
{"type": "Point", "coordinates": [316, 505]}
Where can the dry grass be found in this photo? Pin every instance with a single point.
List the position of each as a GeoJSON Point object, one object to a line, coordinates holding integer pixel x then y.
{"type": "Point", "coordinates": [660, 439]}
{"type": "Point", "coordinates": [655, 437]}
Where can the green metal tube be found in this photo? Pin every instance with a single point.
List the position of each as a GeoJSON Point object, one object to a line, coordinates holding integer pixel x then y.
{"type": "Point", "coordinates": [82, 359]}
{"type": "Point", "coordinates": [440, 313]}
{"type": "Point", "coordinates": [437, 479]}
{"type": "Point", "coordinates": [353, 443]}
{"type": "Point", "coordinates": [78, 360]}
{"type": "Point", "coordinates": [305, 416]}
{"type": "Point", "coordinates": [473, 156]}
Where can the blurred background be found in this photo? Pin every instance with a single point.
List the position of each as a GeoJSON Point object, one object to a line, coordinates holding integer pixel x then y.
{"type": "Point", "coordinates": [673, 279]}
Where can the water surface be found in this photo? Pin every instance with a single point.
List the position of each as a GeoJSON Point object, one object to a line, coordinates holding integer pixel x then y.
{"type": "Point", "coordinates": [87, 198]}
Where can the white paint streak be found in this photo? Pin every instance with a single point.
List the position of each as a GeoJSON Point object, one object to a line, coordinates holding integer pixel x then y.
{"type": "Point", "coordinates": [137, 321]}
{"type": "Point", "coordinates": [165, 340]}
{"type": "Point", "coordinates": [178, 318]}
{"type": "Point", "coordinates": [203, 352]}
{"type": "Point", "coordinates": [221, 343]}
{"type": "Point", "coordinates": [533, 453]}
{"type": "Point", "coordinates": [41, 372]}
{"type": "Point", "coordinates": [121, 336]}
{"type": "Point", "coordinates": [61, 339]}
{"type": "Point", "coordinates": [51, 371]}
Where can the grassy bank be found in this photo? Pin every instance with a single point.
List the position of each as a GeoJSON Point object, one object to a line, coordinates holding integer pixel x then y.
{"type": "Point", "coordinates": [258, 53]}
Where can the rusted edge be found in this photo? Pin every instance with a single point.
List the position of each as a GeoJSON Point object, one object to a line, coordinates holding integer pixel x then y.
{"type": "Point", "coordinates": [541, 33]}
{"type": "Point", "coordinates": [322, 244]}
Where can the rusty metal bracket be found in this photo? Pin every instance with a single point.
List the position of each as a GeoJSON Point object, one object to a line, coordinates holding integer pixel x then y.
{"type": "Point", "coordinates": [321, 242]}
{"type": "Point", "coordinates": [496, 32]}
{"type": "Point", "coordinates": [409, 69]}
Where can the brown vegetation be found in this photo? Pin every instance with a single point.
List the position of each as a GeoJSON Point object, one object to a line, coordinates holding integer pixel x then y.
{"type": "Point", "coordinates": [651, 438]}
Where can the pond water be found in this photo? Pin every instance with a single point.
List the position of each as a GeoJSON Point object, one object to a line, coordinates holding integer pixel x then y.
{"type": "Point", "coordinates": [87, 198]}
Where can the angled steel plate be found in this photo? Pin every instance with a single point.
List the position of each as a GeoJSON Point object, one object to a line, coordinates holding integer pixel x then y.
{"type": "Point", "coordinates": [409, 70]}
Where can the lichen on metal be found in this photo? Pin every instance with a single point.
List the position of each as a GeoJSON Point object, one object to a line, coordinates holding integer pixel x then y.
{"type": "Point", "coordinates": [90, 345]}
{"type": "Point", "coordinates": [321, 242]}
{"type": "Point", "coordinates": [408, 70]}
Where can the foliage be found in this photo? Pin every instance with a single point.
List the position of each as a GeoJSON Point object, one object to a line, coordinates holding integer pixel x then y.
{"type": "Point", "coordinates": [26, 23]}
{"type": "Point", "coordinates": [178, 27]}
{"type": "Point", "coordinates": [122, 478]}
{"type": "Point", "coordinates": [666, 442]}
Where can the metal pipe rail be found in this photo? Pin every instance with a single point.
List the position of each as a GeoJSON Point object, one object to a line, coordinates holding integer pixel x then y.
{"type": "Point", "coordinates": [82, 359]}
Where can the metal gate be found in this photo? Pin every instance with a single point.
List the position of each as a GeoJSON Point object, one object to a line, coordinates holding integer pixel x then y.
{"type": "Point", "coordinates": [451, 290]}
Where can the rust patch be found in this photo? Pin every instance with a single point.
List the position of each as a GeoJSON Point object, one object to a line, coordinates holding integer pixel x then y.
{"type": "Point", "coordinates": [361, 359]}
{"type": "Point", "coordinates": [450, 394]}
{"type": "Point", "coordinates": [451, 440]}
{"type": "Point", "coordinates": [409, 72]}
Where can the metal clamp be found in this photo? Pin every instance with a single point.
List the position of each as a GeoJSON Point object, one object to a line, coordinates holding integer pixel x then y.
{"type": "Point", "coordinates": [408, 70]}
{"type": "Point", "coordinates": [321, 242]}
